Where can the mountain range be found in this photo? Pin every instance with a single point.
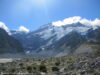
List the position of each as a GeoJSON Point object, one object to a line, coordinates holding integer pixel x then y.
{"type": "Point", "coordinates": [70, 36]}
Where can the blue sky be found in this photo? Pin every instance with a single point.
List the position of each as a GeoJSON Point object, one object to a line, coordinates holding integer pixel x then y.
{"type": "Point", "coordinates": [34, 13]}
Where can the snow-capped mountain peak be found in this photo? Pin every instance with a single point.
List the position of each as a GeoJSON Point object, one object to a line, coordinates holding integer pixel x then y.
{"type": "Point", "coordinates": [3, 26]}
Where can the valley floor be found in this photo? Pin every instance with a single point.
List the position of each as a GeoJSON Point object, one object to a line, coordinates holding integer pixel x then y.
{"type": "Point", "coordinates": [66, 65]}
{"type": "Point", "coordinates": [5, 60]}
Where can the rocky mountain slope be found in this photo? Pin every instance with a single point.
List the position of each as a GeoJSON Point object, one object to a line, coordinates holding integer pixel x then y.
{"type": "Point", "coordinates": [58, 38]}
{"type": "Point", "coordinates": [8, 44]}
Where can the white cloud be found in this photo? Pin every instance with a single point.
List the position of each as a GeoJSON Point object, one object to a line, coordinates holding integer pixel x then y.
{"type": "Point", "coordinates": [23, 29]}
{"type": "Point", "coordinates": [96, 22]}
{"type": "Point", "coordinates": [3, 26]}
{"type": "Point", "coordinates": [67, 21]}
{"type": "Point", "coordinates": [71, 20]}
{"type": "Point", "coordinates": [75, 19]}
{"type": "Point", "coordinates": [85, 22]}
{"type": "Point", "coordinates": [58, 23]}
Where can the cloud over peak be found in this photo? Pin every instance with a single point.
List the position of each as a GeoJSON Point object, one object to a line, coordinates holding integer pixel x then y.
{"type": "Point", "coordinates": [76, 19]}
{"type": "Point", "coordinates": [66, 21]}
{"type": "Point", "coordinates": [23, 29]}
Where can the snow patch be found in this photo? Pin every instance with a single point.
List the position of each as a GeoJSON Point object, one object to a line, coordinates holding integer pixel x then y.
{"type": "Point", "coordinates": [27, 52]}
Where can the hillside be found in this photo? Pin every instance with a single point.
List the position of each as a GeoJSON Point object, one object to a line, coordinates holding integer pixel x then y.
{"type": "Point", "coordinates": [9, 45]}
{"type": "Point", "coordinates": [84, 64]}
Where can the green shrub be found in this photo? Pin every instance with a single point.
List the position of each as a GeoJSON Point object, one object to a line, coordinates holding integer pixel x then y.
{"type": "Point", "coordinates": [57, 63]}
{"type": "Point", "coordinates": [55, 69]}
{"type": "Point", "coordinates": [43, 68]}
{"type": "Point", "coordinates": [29, 69]}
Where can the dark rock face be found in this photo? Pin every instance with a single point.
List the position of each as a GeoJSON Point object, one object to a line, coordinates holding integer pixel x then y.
{"type": "Point", "coordinates": [8, 44]}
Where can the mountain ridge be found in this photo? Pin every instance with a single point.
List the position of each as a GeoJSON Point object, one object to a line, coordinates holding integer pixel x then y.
{"type": "Point", "coordinates": [57, 40]}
